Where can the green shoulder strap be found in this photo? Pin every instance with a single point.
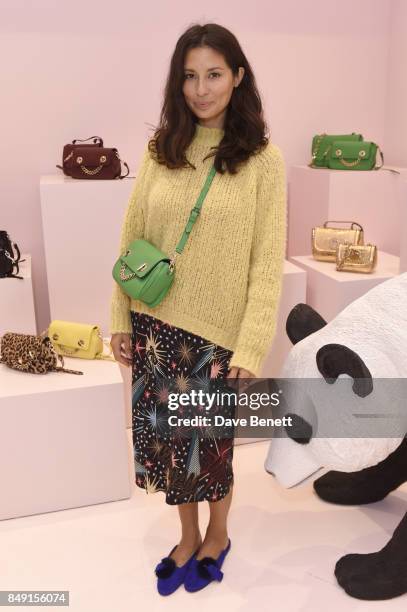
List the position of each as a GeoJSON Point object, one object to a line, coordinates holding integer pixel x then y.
{"type": "Point", "coordinates": [196, 210]}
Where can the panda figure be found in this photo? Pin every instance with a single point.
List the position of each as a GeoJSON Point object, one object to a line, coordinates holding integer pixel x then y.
{"type": "Point", "coordinates": [362, 346]}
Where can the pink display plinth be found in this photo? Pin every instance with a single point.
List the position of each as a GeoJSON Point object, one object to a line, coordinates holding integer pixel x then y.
{"type": "Point", "coordinates": [368, 197]}
{"type": "Point", "coordinates": [82, 221]}
{"type": "Point", "coordinates": [63, 440]}
{"type": "Point", "coordinates": [17, 312]}
{"type": "Point", "coordinates": [293, 292]}
{"type": "Point", "coordinates": [329, 291]}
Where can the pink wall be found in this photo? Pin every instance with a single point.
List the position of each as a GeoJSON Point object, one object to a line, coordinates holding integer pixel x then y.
{"type": "Point", "coordinates": [72, 70]}
{"type": "Point", "coordinates": [396, 87]}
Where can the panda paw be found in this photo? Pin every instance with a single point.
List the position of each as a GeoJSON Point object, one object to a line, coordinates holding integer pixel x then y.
{"type": "Point", "coordinates": [351, 488]}
{"type": "Point", "coordinates": [374, 576]}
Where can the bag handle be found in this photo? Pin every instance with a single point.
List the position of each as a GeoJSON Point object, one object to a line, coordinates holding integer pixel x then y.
{"type": "Point", "coordinates": [351, 222]}
{"type": "Point", "coordinates": [382, 158]}
{"type": "Point", "coordinates": [63, 369]}
{"type": "Point", "coordinates": [195, 211]}
{"type": "Point", "coordinates": [124, 164]}
{"type": "Point", "coordinates": [96, 138]}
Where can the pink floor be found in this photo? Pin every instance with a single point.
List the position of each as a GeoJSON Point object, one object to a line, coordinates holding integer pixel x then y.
{"type": "Point", "coordinates": [284, 547]}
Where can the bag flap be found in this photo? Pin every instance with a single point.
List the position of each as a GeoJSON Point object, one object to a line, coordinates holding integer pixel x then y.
{"type": "Point", "coordinates": [28, 342]}
{"type": "Point", "coordinates": [352, 150]}
{"type": "Point", "coordinates": [142, 256]}
{"type": "Point", "coordinates": [90, 156]}
{"type": "Point", "coordinates": [327, 238]}
{"type": "Point", "coordinates": [74, 335]}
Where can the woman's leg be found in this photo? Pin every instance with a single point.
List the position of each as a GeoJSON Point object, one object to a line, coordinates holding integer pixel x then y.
{"type": "Point", "coordinates": [191, 537]}
{"type": "Point", "coordinates": [216, 537]}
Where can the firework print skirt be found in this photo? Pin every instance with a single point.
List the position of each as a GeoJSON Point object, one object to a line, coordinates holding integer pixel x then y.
{"type": "Point", "coordinates": [189, 464]}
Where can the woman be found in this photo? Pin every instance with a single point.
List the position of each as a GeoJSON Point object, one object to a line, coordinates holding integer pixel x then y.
{"type": "Point", "coordinates": [218, 319]}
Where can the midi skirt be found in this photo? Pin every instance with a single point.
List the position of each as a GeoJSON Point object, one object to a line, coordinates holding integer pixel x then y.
{"type": "Point", "coordinates": [188, 464]}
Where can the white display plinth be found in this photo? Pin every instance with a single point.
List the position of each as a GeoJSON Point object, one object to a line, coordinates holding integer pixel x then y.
{"type": "Point", "coordinates": [63, 439]}
{"type": "Point", "coordinates": [293, 292]}
{"type": "Point", "coordinates": [17, 312]}
{"type": "Point", "coordinates": [368, 197]}
{"type": "Point", "coordinates": [82, 221]}
{"type": "Point", "coordinates": [329, 291]}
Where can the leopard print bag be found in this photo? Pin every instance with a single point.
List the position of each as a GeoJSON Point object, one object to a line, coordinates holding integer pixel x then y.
{"type": "Point", "coordinates": [29, 353]}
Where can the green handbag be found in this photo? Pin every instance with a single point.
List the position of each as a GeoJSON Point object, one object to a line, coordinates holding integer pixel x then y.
{"type": "Point", "coordinates": [346, 155]}
{"type": "Point", "coordinates": [321, 145]}
{"type": "Point", "coordinates": [144, 272]}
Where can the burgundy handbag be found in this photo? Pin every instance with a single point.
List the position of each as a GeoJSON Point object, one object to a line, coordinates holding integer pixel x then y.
{"type": "Point", "coordinates": [91, 161]}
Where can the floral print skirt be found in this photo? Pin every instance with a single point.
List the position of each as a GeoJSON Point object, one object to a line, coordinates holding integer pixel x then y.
{"type": "Point", "coordinates": [188, 466]}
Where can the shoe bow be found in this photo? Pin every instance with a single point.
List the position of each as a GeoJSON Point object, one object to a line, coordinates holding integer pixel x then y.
{"type": "Point", "coordinates": [208, 569]}
{"type": "Point", "coordinates": [165, 568]}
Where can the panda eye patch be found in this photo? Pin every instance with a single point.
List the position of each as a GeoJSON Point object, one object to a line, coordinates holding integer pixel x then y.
{"type": "Point", "coordinates": [300, 431]}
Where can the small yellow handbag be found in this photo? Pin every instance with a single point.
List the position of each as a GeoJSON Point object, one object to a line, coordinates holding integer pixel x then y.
{"type": "Point", "coordinates": [324, 240]}
{"type": "Point", "coordinates": [356, 258]}
{"type": "Point", "coordinates": [78, 340]}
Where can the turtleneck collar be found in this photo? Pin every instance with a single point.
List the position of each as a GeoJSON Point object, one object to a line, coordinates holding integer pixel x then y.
{"type": "Point", "coordinates": [210, 136]}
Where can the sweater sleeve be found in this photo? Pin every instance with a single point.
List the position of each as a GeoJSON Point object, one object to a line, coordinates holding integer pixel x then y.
{"type": "Point", "coordinates": [132, 228]}
{"type": "Point", "coordinates": [267, 255]}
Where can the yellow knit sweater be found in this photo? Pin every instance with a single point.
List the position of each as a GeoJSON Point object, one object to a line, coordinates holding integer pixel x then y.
{"type": "Point", "coordinates": [228, 278]}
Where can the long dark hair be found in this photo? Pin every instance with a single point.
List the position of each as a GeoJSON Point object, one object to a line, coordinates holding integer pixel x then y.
{"type": "Point", "coordinates": [244, 127]}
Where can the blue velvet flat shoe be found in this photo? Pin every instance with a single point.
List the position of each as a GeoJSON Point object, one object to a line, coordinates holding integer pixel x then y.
{"type": "Point", "coordinates": [169, 575]}
{"type": "Point", "coordinates": [201, 573]}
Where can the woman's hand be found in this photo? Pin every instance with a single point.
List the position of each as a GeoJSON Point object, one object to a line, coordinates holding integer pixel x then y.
{"type": "Point", "coordinates": [121, 347]}
{"type": "Point", "coordinates": [237, 373]}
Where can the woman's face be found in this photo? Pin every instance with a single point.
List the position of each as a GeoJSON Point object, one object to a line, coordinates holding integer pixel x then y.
{"type": "Point", "coordinates": [208, 85]}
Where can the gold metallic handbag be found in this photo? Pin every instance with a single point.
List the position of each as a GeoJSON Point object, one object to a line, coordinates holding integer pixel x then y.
{"type": "Point", "coordinates": [356, 258]}
{"type": "Point", "coordinates": [78, 340]}
{"type": "Point", "coordinates": [325, 239]}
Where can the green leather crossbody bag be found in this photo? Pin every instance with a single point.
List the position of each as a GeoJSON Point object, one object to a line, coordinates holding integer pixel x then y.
{"type": "Point", "coordinates": [144, 272]}
{"type": "Point", "coordinates": [346, 155]}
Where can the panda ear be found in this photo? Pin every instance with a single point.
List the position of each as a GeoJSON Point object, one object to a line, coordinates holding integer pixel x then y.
{"type": "Point", "coordinates": [302, 321]}
{"type": "Point", "coordinates": [335, 359]}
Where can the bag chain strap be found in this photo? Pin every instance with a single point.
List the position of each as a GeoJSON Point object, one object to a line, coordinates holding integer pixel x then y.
{"type": "Point", "coordinates": [317, 146]}
{"type": "Point", "coordinates": [343, 257]}
{"type": "Point", "coordinates": [99, 168]}
{"type": "Point", "coordinates": [349, 164]}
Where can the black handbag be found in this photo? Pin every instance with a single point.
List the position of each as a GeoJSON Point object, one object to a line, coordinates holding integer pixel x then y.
{"type": "Point", "coordinates": [9, 256]}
